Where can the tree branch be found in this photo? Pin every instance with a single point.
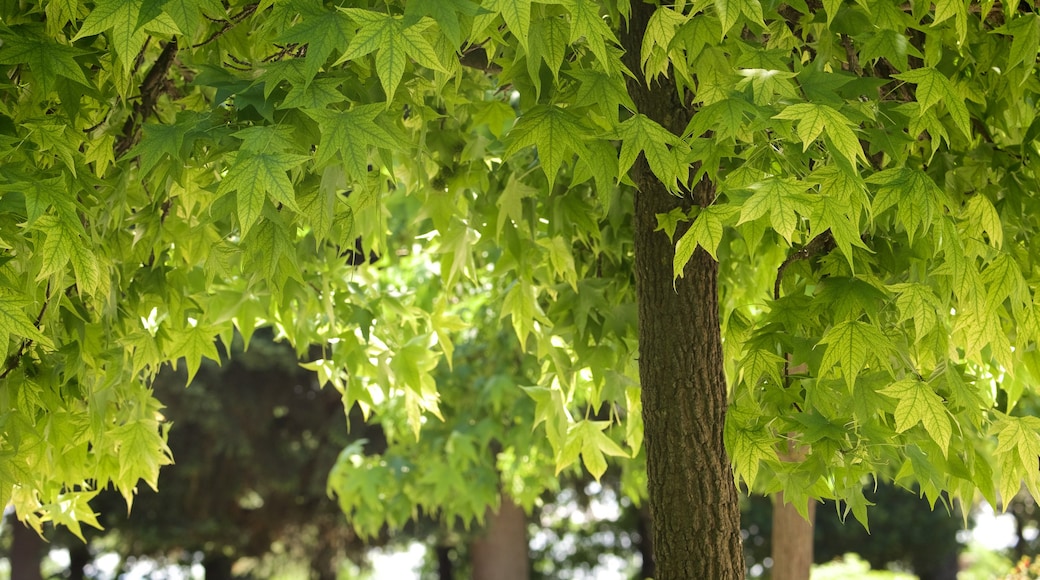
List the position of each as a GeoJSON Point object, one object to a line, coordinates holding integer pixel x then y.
{"type": "Point", "coordinates": [14, 360]}
{"type": "Point", "coordinates": [152, 87]}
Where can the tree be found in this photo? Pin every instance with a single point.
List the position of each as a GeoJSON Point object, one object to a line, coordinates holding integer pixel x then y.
{"type": "Point", "coordinates": [842, 190]}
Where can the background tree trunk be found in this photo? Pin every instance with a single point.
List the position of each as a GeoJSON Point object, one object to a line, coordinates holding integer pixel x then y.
{"type": "Point", "coordinates": [693, 500]}
{"type": "Point", "coordinates": [646, 542]}
{"type": "Point", "coordinates": [502, 552]}
{"type": "Point", "coordinates": [445, 567]}
{"type": "Point", "coordinates": [79, 558]}
{"type": "Point", "coordinates": [217, 567]}
{"type": "Point", "coordinates": [792, 540]}
{"type": "Point", "coordinates": [26, 552]}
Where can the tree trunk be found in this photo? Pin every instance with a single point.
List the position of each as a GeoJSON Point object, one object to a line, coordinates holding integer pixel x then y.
{"type": "Point", "coordinates": [501, 553]}
{"type": "Point", "coordinates": [79, 558]}
{"type": "Point", "coordinates": [445, 567]}
{"type": "Point", "coordinates": [217, 566]}
{"type": "Point", "coordinates": [646, 542]}
{"type": "Point", "coordinates": [26, 552]}
{"type": "Point", "coordinates": [693, 499]}
{"type": "Point", "coordinates": [792, 541]}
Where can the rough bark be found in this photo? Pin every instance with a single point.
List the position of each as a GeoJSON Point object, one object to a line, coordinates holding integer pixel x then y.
{"type": "Point", "coordinates": [693, 500]}
{"type": "Point", "coordinates": [501, 553]}
{"type": "Point", "coordinates": [792, 540]}
{"type": "Point", "coordinates": [26, 552]}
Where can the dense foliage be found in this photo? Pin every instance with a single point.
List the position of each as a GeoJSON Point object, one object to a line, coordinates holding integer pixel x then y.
{"type": "Point", "coordinates": [864, 173]}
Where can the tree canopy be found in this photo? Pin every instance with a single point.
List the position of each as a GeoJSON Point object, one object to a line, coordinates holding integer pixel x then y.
{"type": "Point", "coordinates": [832, 203]}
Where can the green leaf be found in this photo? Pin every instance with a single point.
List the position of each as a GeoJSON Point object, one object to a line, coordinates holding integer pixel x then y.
{"type": "Point", "coordinates": [350, 135]}
{"type": "Point", "coordinates": [324, 31]}
{"type": "Point", "coordinates": [587, 23]}
{"type": "Point", "coordinates": [515, 13]}
{"type": "Point", "coordinates": [393, 42]}
{"type": "Point", "coordinates": [142, 451]}
{"type": "Point", "coordinates": [748, 449]}
{"type": "Point", "coordinates": [255, 176]}
{"type": "Point", "coordinates": [852, 344]}
{"type": "Point", "coordinates": [706, 232]}
{"type": "Point", "coordinates": [193, 342]}
{"type": "Point", "coordinates": [814, 119]}
{"type": "Point", "coordinates": [758, 363]}
{"type": "Point", "coordinates": [640, 133]}
{"type": "Point", "coordinates": [15, 321]}
{"type": "Point", "coordinates": [1025, 31]}
{"type": "Point", "coordinates": [46, 58]}
{"type": "Point", "coordinates": [729, 12]}
{"type": "Point", "coordinates": [933, 87]}
{"type": "Point", "coordinates": [510, 203]}
{"type": "Point", "coordinates": [782, 199]}
{"type": "Point", "coordinates": [121, 19]}
{"type": "Point", "coordinates": [918, 403]}
{"type": "Point", "coordinates": [554, 131]}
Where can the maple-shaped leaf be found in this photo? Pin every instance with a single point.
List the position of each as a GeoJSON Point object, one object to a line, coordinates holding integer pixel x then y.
{"type": "Point", "coordinates": [1025, 32]}
{"type": "Point", "coordinates": [15, 321]}
{"type": "Point", "coordinates": [918, 200]}
{"type": "Point", "coordinates": [510, 203]}
{"type": "Point", "coordinates": [190, 15]}
{"type": "Point", "coordinates": [724, 118]}
{"type": "Point", "coordinates": [782, 199]}
{"type": "Point", "coordinates": [748, 448]}
{"type": "Point", "coordinates": [62, 234]}
{"type": "Point", "coordinates": [194, 342]}
{"type": "Point", "coordinates": [351, 134]}
{"type": "Point", "coordinates": [73, 509]}
{"type": "Point", "coordinates": [588, 23]}
{"type": "Point", "coordinates": [956, 9]}
{"type": "Point", "coordinates": [852, 344]}
{"type": "Point", "coordinates": [919, 403]}
{"type": "Point", "coordinates": [843, 196]}
{"type": "Point", "coordinates": [142, 452]}
{"type": "Point", "coordinates": [323, 30]}
{"type": "Point", "coordinates": [515, 13]}
{"type": "Point", "coordinates": [918, 303]}
{"type": "Point", "coordinates": [1018, 449]}
{"type": "Point", "coordinates": [758, 363]}
{"type": "Point", "coordinates": [551, 409]}
{"type": "Point", "coordinates": [933, 87]}
{"type": "Point", "coordinates": [121, 18]}
{"type": "Point", "coordinates": [255, 176]}
{"type": "Point", "coordinates": [640, 133]}
{"type": "Point", "coordinates": [891, 45]}
{"type": "Point", "coordinates": [815, 119]}
{"type": "Point", "coordinates": [706, 232]}
{"type": "Point", "coordinates": [159, 140]}
{"type": "Point", "coordinates": [393, 39]}
{"type": "Point", "coordinates": [447, 14]}
{"type": "Point", "coordinates": [46, 58]}
{"type": "Point", "coordinates": [729, 12]}
{"type": "Point", "coordinates": [548, 44]}
{"type": "Point", "coordinates": [599, 89]}
{"type": "Point", "coordinates": [595, 444]}
{"type": "Point", "coordinates": [553, 131]}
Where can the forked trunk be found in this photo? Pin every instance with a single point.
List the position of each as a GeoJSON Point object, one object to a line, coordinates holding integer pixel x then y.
{"type": "Point", "coordinates": [693, 499]}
